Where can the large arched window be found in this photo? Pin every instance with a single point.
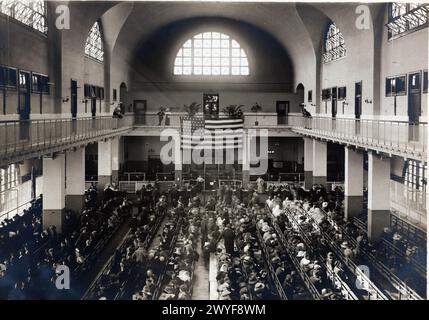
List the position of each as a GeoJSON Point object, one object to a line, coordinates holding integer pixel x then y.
{"type": "Point", "coordinates": [32, 13]}
{"type": "Point", "coordinates": [334, 47]}
{"type": "Point", "coordinates": [94, 43]}
{"type": "Point", "coordinates": [405, 17]}
{"type": "Point", "coordinates": [211, 54]}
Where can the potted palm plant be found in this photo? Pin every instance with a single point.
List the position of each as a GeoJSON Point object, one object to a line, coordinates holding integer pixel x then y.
{"type": "Point", "coordinates": [256, 108]}
{"type": "Point", "coordinates": [233, 111]}
{"type": "Point", "coordinates": [192, 109]}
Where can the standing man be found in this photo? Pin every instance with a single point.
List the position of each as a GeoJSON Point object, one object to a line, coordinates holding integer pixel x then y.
{"type": "Point", "coordinates": [260, 183]}
{"type": "Point", "coordinates": [228, 237]}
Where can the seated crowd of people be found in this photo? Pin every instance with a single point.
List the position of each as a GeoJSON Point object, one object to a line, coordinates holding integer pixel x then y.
{"type": "Point", "coordinates": [30, 255]}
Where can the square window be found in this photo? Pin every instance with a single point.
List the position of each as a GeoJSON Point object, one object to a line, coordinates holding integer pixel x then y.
{"type": "Point", "coordinates": [187, 52]}
{"type": "Point", "coordinates": [216, 71]}
{"type": "Point", "coordinates": [235, 71]}
{"type": "Point", "coordinates": [178, 70]}
{"type": "Point", "coordinates": [224, 61]}
{"type": "Point", "coordinates": [216, 43]}
{"type": "Point", "coordinates": [224, 44]}
{"type": "Point", "coordinates": [207, 62]}
{"type": "Point", "coordinates": [216, 61]}
{"type": "Point", "coordinates": [198, 52]}
{"type": "Point", "coordinates": [207, 52]}
{"type": "Point", "coordinates": [215, 52]}
{"type": "Point", "coordinates": [187, 70]}
{"type": "Point", "coordinates": [198, 43]}
{"type": "Point", "coordinates": [187, 61]}
{"type": "Point", "coordinates": [244, 71]}
{"type": "Point", "coordinates": [207, 71]}
{"type": "Point", "coordinates": [178, 61]}
{"type": "Point", "coordinates": [198, 61]}
{"type": "Point", "coordinates": [225, 71]}
{"type": "Point", "coordinates": [235, 52]}
{"type": "Point", "coordinates": [224, 52]}
{"type": "Point", "coordinates": [235, 62]}
{"type": "Point", "coordinates": [244, 62]}
{"type": "Point", "coordinates": [198, 70]}
{"type": "Point", "coordinates": [207, 43]}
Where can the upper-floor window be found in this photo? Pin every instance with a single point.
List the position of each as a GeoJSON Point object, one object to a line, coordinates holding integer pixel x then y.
{"type": "Point", "coordinates": [406, 16]}
{"type": "Point", "coordinates": [31, 13]}
{"type": "Point", "coordinates": [334, 47]}
{"type": "Point", "coordinates": [211, 54]}
{"type": "Point", "coordinates": [94, 43]}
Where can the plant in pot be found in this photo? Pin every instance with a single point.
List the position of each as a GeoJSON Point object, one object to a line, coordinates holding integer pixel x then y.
{"type": "Point", "coordinates": [256, 108]}
{"type": "Point", "coordinates": [233, 111]}
{"type": "Point", "coordinates": [192, 109]}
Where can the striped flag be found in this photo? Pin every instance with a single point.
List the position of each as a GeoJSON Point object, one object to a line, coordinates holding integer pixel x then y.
{"type": "Point", "coordinates": [222, 133]}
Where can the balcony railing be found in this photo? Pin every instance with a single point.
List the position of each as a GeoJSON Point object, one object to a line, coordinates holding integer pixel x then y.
{"type": "Point", "coordinates": [396, 137]}
{"type": "Point", "coordinates": [21, 137]}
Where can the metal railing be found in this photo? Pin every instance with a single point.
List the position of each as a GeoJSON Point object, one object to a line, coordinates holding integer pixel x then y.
{"type": "Point", "coordinates": [37, 135]}
{"type": "Point", "coordinates": [387, 136]}
{"type": "Point", "coordinates": [408, 203]}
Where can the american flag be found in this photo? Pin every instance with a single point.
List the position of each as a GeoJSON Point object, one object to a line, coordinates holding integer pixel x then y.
{"type": "Point", "coordinates": [222, 133]}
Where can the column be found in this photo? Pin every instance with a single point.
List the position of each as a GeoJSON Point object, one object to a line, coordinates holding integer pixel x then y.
{"type": "Point", "coordinates": [178, 161]}
{"type": "Point", "coordinates": [104, 163]}
{"type": "Point", "coordinates": [320, 159]}
{"type": "Point", "coordinates": [245, 161]}
{"type": "Point", "coordinates": [308, 162]}
{"type": "Point", "coordinates": [54, 191]}
{"type": "Point", "coordinates": [75, 179]}
{"type": "Point", "coordinates": [378, 195]}
{"type": "Point", "coordinates": [353, 183]}
{"type": "Point", "coordinates": [116, 142]}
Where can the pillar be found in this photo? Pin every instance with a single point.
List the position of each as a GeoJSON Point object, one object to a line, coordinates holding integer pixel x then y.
{"type": "Point", "coordinates": [378, 195]}
{"type": "Point", "coordinates": [353, 183]}
{"type": "Point", "coordinates": [178, 159]}
{"type": "Point", "coordinates": [54, 191]}
{"type": "Point", "coordinates": [320, 159]}
{"type": "Point", "coordinates": [115, 142]}
{"type": "Point", "coordinates": [245, 161]}
{"type": "Point", "coordinates": [308, 162]}
{"type": "Point", "coordinates": [104, 163]}
{"type": "Point", "coordinates": [75, 179]}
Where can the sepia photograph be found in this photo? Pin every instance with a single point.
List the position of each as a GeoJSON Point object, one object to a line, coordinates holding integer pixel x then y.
{"type": "Point", "coordinates": [228, 152]}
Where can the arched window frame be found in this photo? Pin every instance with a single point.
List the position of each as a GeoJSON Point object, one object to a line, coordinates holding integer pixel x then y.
{"type": "Point", "coordinates": [31, 13]}
{"type": "Point", "coordinates": [211, 54]}
{"type": "Point", "coordinates": [94, 43]}
{"type": "Point", "coordinates": [334, 46]}
{"type": "Point", "coordinates": [406, 17]}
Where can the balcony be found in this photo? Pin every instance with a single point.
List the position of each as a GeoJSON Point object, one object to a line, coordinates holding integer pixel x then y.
{"type": "Point", "coordinates": [399, 138]}
{"type": "Point", "coordinates": [25, 139]}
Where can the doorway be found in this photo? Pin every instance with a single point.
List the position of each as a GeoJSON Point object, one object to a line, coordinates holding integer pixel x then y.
{"type": "Point", "coordinates": [122, 97]}
{"type": "Point", "coordinates": [73, 103]}
{"type": "Point", "coordinates": [358, 105]}
{"type": "Point", "coordinates": [24, 107]}
{"type": "Point", "coordinates": [282, 109]}
{"type": "Point", "coordinates": [140, 107]}
{"type": "Point", "coordinates": [334, 102]}
{"type": "Point", "coordinates": [414, 104]}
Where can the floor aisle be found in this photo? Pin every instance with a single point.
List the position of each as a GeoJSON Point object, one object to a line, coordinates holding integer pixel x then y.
{"type": "Point", "coordinates": [201, 277]}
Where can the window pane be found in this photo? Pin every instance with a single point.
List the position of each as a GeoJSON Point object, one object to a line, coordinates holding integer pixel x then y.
{"type": "Point", "coordinates": [211, 53]}
{"type": "Point", "coordinates": [94, 44]}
